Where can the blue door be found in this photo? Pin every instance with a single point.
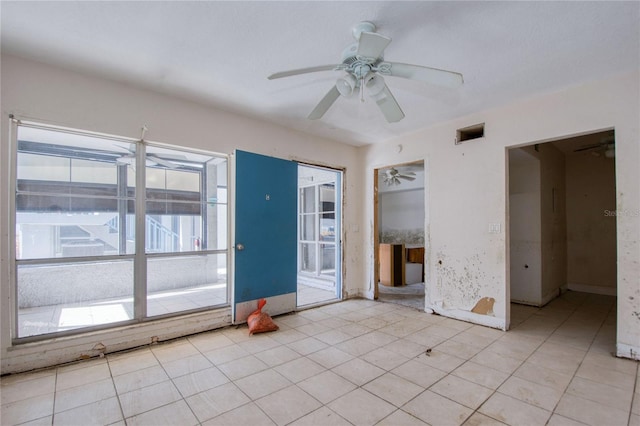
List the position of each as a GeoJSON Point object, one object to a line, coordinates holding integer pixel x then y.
{"type": "Point", "coordinates": [265, 234]}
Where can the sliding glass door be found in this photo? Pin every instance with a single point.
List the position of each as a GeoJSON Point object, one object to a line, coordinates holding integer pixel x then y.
{"type": "Point", "coordinates": [319, 258]}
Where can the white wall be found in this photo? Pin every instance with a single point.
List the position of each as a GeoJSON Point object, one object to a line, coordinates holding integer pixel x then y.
{"type": "Point", "coordinates": [554, 221]}
{"type": "Point", "coordinates": [467, 191]}
{"type": "Point", "coordinates": [525, 227]}
{"type": "Point", "coordinates": [402, 209]}
{"type": "Point", "coordinates": [537, 224]}
{"type": "Point", "coordinates": [47, 94]}
{"type": "Point", "coordinates": [591, 224]}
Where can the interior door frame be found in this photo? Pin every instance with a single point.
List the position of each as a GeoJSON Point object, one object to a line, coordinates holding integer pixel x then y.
{"type": "Point", "coordinates": [507, 220]}
{"type": "Point", "coordinates": [341, 270]}
{"type": "Point", "coordinates": [376, 223]}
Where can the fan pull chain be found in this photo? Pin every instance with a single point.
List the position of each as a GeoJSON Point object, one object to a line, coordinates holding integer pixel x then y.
{"type": "Point", "coordinates": [362, 89]}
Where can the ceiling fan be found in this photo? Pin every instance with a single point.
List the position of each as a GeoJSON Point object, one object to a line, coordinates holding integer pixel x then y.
{"type": "Point", "coordinates": [364, 67]}
{"type": "Point", "coordinates": [392, 176]}
{"type": "Point", "coordinates": [151, 159]}
{"type": "Point", "coordinates": [606, 146]}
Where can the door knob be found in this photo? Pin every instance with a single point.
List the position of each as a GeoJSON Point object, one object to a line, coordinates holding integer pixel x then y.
{"type": "Point", "coordinates": [239, 247]}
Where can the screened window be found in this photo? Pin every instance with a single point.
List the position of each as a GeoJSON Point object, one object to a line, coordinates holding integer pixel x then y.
{"type": "Point", "coordinates": [79, 257]}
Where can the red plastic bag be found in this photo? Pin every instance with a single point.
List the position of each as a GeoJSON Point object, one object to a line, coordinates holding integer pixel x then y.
{"type": "Point", "coordinates": [260, 322]}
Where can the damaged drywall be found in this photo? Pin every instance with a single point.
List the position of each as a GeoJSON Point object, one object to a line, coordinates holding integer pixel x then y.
{"type": "Point", "coordinates": [461, 290]}
{"type": "Point", "coordinates": [484, 306]}
{"type": "Point", "coordinates": [460, 283]}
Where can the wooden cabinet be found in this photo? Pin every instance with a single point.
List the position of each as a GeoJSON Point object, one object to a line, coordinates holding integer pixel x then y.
{"type": "Point", "coordinates": [392, 261]}
{"type": "Point", "coordinates": [415, 254]}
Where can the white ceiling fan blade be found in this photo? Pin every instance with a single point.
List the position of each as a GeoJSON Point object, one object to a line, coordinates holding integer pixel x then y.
{"type": "Point", "coordinates": [302, 71]}
{"type": "Point", "coordinates": [389, 106]}
{"type": "Point", "coordinates": [162, 162]}
{"type": "Point", "coordinates": [126, 160]}
{"type": "Point", "coordinates": [130, 149]}
{"type": "Point", "coordinates": [176, 157]}
{"type": "Point", "coordinates": [409, 178]}
{"type": "Point", "coordinates": [371, 45]}
{"type": "Point", "coordinates": [584, 148]}
{"type": "Point", "coordinates": [325, 104]}
{"type": "Point", "coordinates": [425, 74]}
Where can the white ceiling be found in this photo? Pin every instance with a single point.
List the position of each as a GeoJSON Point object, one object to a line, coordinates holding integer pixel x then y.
{"type": "Point", "coordinates": [220, 53]}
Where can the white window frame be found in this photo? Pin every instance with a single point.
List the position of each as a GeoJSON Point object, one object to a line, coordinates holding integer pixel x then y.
{"type": "Point", "coordinates": [140, 256]}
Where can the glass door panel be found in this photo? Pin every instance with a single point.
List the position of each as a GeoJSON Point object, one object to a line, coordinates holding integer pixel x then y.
{"type": "Point", "coordinates": [318, 238]}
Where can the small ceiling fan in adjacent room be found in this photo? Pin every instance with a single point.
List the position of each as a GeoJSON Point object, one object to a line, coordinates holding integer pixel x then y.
{"type": "Point", "coordinates": [393, 177]}
{"type": "Point", "coordinates": [151, 159]}
{"type": "Point", "coordinates": [606, 147]}
{"type": "Point", "coordinates": [364, 66]}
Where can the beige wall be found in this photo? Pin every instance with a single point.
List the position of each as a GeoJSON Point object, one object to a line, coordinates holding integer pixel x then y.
{"type": "Point", "coordinates": [553, 220]}
{"type": "Point", "coordinates": [591, 223]}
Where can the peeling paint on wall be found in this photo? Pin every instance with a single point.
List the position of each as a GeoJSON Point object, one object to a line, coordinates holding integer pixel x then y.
{"type": "Point", "coordinates": [484, 306]}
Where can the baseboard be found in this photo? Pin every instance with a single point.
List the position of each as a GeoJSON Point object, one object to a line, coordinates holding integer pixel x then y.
{"type": "Point", "coordinates": [60, 350]}
{"type": "Point", "coordinates": [550, 296]}
{"type": "Point", "coordinates": [468, 316]}
{"type": "Point", "coordinates": [594, 289]}
{"type": "Point", "coordinates": [628, 351]}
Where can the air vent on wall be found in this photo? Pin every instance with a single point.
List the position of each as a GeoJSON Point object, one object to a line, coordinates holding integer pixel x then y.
{"type": "Point", "coordinates": [470, 133]}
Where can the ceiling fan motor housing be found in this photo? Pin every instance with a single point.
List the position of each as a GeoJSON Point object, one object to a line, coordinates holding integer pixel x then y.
{"type": "Point", "coordinates": [364, 26]}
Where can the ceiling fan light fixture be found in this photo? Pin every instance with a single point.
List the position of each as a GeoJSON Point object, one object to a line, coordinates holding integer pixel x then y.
{"type": "Point", "coordinates": [346, 85]}
{"type": "Point", "coordinates": [375, 85]}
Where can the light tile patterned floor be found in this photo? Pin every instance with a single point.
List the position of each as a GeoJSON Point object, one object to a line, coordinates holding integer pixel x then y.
{"type": "Point", "coordinates": [357, 362]}
{"type": "Point", "coordinates": [411, 295]}
{"type": "Point", "coordinates": [310, 295]}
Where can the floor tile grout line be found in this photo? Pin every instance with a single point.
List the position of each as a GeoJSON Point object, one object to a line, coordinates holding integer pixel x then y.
{"type": "Point", "coordinates": [448, 373]}
{"type": "Point", "coordinates": [55, 394]}
{"type": "Point", "coordinates": [306, 356]}
{"type": "Point", "coordinates": [327, 369]}
{"type": "Point", "coordinates": [113, 383]}
{"type": "Point", "coordinates": [250, 400]}
{"type": "Point", "coordinates": [573, 376]}
{"type": "Point", "coordinates": [172, 383]}
{"type": "Point", "coordinates": [635, 389]}
{"type": "Point", "coordinates": [424, 388]}
{"type": "Point", "coordinates": [477, 410]}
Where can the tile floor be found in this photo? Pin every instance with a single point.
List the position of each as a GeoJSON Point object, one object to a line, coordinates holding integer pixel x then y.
{"type": "Point", "coordinates": [356, 362]}
{"type": "Point", "coordinates": [411, 295]}
{"type": "Point", "coordinates": [309, 295]}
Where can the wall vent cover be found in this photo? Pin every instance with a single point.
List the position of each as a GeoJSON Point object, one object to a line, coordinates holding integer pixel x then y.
{"type": "Point", "coordinates": [470, 133]}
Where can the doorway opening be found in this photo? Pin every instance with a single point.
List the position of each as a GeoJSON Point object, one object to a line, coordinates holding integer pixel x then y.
{"type": "Point", "coordinates": [400, 234]}
{"type": "Point", "coordinates": [562, 230]}
{"type": "Point", "coordinates": [319, 235]}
